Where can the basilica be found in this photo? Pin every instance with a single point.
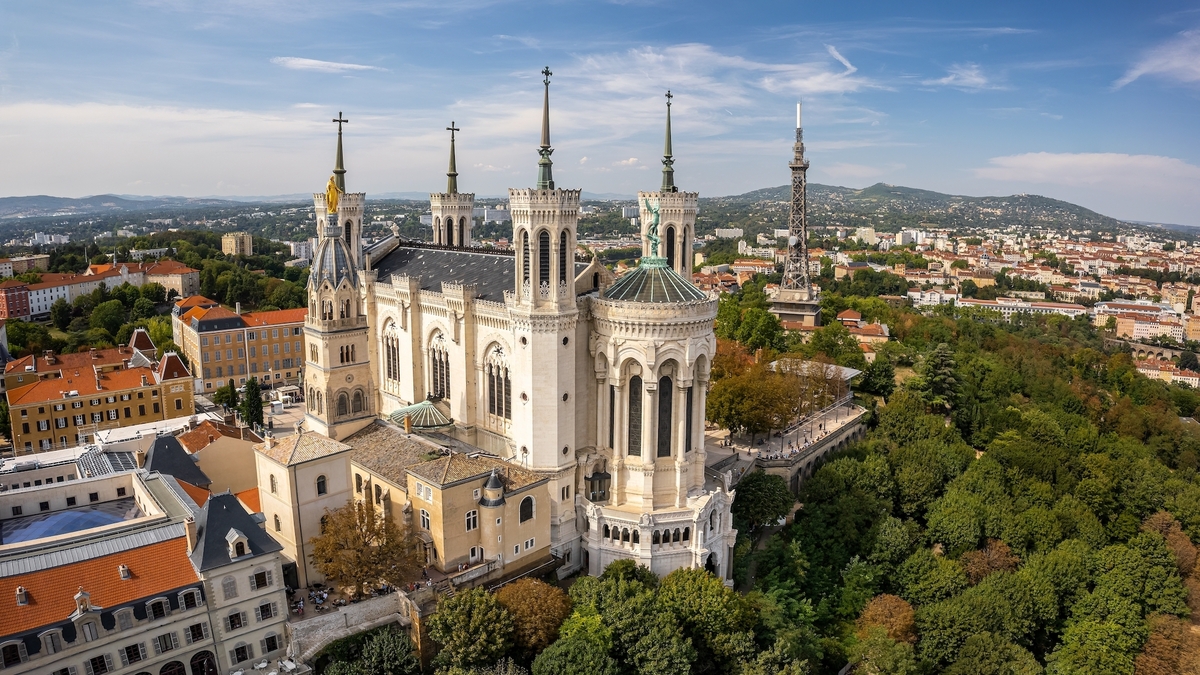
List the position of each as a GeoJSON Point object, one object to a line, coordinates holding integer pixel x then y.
{"type": "Point", "coordinates": [540, 356]}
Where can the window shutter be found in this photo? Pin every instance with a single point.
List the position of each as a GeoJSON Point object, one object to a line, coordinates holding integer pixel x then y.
{"type": "Point", "coordinates": [142, 650]}
{"type": "Point", "coordinates": [233, 656]}
{"type": "Point", "coordinates": [174, 640]}
{"type": "Point", "coordinates": [274, 609]}
{"type": "Point", "coordinates": [244, 622]}
{"type": "Point", "coordinates": [124, 659]}
{"type": "Point", "coordinates": [22, 651]}
{"type": "Point", "coordinates": [87, 667]}
{"type": "Point", "coordinates": [262, 646]}
{"type": "Point", "coordinates": [157, 642]}
{"type": "Point", "coordinates": [249, 652]}
{"type": "Point", "coordinates": [108, 662]}
{"type": "Point", "coordinates": [71, 670]}
{"type": "Point", "coordinates": [228, 623]}
{"type": "Point", "coordinates": [253, 585]}
{"type": "Point", "coordinates": [257, 614]}
{"type": "Point", "coordinates": [204, 627]}
{"type": "Point", "coordinates": [269, 582]}
{"type": "Point", "coordinates": [187, 635]}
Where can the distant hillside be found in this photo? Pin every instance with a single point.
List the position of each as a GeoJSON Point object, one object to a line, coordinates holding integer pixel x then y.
{"type": "Point", "coordinates": [44, 205]}
{"type": "Point", "coordinates": [828, 203]}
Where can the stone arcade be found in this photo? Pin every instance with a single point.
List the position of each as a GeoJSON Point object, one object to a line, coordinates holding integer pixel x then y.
{"type": "Point", "coordinates": [542, 359]}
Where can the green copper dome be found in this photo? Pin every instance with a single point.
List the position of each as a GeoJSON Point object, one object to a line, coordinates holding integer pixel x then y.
{"type": "Point", "coordinates": [653, 281]}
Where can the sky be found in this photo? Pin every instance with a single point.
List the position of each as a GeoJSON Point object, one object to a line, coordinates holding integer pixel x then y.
{"type": "Point", "coordinates": [1097, 103]}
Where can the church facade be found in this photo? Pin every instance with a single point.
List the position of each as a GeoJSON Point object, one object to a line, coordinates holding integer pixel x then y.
{"type": "Point", "coordinates": [543, 359]}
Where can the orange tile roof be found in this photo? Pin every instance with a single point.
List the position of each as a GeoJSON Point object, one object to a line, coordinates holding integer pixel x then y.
{"type": "Point", "coordinates": [85, 359]}
{"type": "Point", "coordinates": [154, 569]}
{"type": "Point", "coordinates": [169, 267]}
{"type": "Point", "coordinates": [194, 301]}
{"type": "Point", "coordinates": [198, 494]}
{"type": "Point", "coordinates": [275, 318]}
{"type": "Point", "coordinates": [206, 432]}
{"type": "Point", "coordinates": [250, 499]}
{"type": "Point", "coordinates": [84, 383]}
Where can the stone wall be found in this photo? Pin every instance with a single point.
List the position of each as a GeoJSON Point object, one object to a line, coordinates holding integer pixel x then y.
{"type": "Point", "coordinates": [310, 635]}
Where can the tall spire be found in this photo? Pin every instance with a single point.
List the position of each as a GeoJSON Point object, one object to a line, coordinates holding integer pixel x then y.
{"type": "Point", "coordinates": [795, 269]}
{"type": "Point", "coordinates": [339, 168]}
{"type": "Point", "coordinates": [668, 184]}
{"type": "Point", "coordinates": [452, 172]}
{"type": "Point", "coordinates": [545, 178]}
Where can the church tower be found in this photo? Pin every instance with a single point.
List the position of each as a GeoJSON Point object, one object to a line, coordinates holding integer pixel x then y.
{"type": "Point", "coordinates": [452, 210]}
{"type": "Point", "coordinates": [674, 211]}
{"type": "Point", "coordinates": [337, 373]}
{"type": "Point", "coordinates": [544, 314]}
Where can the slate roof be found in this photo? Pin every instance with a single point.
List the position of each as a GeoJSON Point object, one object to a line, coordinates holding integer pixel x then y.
{"type": "Point", "coordinates": [387, 451]}
{"type": "Point", "coordinates": [653, 281]}
{"type": "Point", "coordinates": [221, 514]}
{"type": "Point", "coordinates": [491, 272]}
{"type": "Point", "coordinates": [167, 455]}
{"type": "Point", "coordinates": [300, 448]}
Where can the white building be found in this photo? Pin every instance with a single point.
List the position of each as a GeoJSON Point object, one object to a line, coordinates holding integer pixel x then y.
{"type": "Point", "coordinates": [543, 360]}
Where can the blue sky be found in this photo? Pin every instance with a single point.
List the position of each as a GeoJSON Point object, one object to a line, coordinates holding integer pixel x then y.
{"type": "Point", "coordinates": [1096, 103]}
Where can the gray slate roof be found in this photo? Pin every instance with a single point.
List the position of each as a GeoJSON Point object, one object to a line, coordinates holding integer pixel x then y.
{"type": "Point", "coordinates": [222, 513]}
{"type": "Point", "coordinates": [167, 455]}
{"type": "Point", "coordinates": [490, 273]}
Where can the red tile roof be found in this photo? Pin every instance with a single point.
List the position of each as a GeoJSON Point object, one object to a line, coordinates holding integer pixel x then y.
{"type": "Point", "coordinates": [154, 570]}
{"type": "Point", "coordinates": [171, 367]}
{"type": "Point", "coordinates": [275, 318]}
{"type": "Point", "coordinates": [206, 432]}
{"type": "Point", "coordinates": [195, 301]}
{"type": "Point", "coordinates": [163, 267]}
{"type": "Point", "coordinates": [250, 499]}
{"type": "Point", "coordinates": [198, 494]}
{"type": "Point", "coordinates": [100, 357]}
{"type": "Point", "coordinates": [84, 383]}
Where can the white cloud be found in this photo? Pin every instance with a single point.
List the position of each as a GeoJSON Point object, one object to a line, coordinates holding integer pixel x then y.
{"type": "Point", "coordinates": [583, 160]}
{"type": "Point", "coordinates": [297, 63]}
{"type": "Point", "coordinates": [965, 76]}
{"type": "Point", "coordinates": [1177, 59]}
{"type": "Point", "coordinates": [1137, 187]}
{"type": "Point", "coordinates": [632, 161]}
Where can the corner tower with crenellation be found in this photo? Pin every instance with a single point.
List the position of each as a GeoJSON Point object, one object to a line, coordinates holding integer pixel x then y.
{"type": "Point", "coordinates": [676, 214]}
{"type": "Point", "coordinates": [452, 210]}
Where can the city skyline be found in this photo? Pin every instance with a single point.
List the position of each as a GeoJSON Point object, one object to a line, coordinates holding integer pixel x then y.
{"type": "Point", "coordinates": [1089, 104]}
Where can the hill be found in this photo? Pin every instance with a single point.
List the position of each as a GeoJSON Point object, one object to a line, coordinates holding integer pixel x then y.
{"type": "Point", "coordinates": [37, 206]}
{"type": "Point", "coordinates": [883, 205]}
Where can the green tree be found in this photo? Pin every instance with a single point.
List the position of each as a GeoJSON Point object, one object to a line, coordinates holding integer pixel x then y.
{"type": "Point", "coordinates": [154, 292]}
{"type": "Point", "coordinates": [880, 655]}
{"type": "Point", "coordinates": [60, 313]}
{"type": "Point", "coordinates": [142, 309]}
{"type": "Point", "coordinates": [251, 406]}
{"type": "Point", "coordinates": [473, 629]}
{"type": "Point", "coordinates": [5, 419]}
{"type": "Point", "coordinates": [990, 654]}
{"type": "Point", "coordinates": [390, 652]}
{"type": "Point", "coordinates": [358, 548]}
{"type": "Point", "coordinates": [226, 396]}
{"type": "Point", "coordinates": [108, 316]}
{"type": "Point", "coordinates": [760, 329]}
{"type": "Point", "coordinates": [940, 383]}
{"type": "Point", "coordinates": [714, 618]}
{"type": "Point", "coordinates": [879, 378]}
{"type": "Point", "coordinates": [582, 649]}
{"type": "Point", "coordinates": [762, 499]}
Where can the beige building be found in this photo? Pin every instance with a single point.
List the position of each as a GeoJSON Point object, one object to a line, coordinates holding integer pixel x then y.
{"type": "Point", "coordinates": [237, 243]}
{"type": "Point", "coordinates": [225, 454]}
{"type": "Point", "coordinates": [174, 276]}
{"type": "Point", "coordinates": [479, 516]}
{"type": "Point", "coordinates": [225, 345]}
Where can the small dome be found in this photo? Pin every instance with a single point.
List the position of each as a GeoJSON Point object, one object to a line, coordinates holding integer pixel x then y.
{"type": "Point", "coordinates": [653, 281]}
{"type": "Point", "coordinates": [333, 262]}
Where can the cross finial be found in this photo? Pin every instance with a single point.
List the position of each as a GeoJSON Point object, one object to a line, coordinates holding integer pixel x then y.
{"type": "Point", "coordinates": [669, 97]}
{"type": "Point", "coordinates": [546, 72]}
{"type": "Point", "coordinates": [341, 121]}
{"type": "Point", "coordinates": [452, 129]}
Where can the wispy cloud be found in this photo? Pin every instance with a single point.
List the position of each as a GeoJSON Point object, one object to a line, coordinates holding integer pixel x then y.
{"type": "Point", "coordinates": [1121, 171]}
{"type": "Point", "coordinates": [965, 76]}
{"type": "Point", "coordinates": [297, 63]}
{"type": "Point", "coordinates": [532, 43]}
{"type": "Point", "coordinates": [1176, 59]}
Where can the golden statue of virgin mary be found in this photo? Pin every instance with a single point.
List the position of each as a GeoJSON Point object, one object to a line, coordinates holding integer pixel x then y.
{"type": "Point", "coordinates": [331, 196]}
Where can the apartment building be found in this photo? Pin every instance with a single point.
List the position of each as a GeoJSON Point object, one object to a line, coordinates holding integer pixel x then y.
{"type": "Point", "coordinates": [14, 300]}
{"type": "Point", "coordinates": [227, 345]}
{"type": "Point", "coordinates": [174, 276]}
{"type": "Point", "coordinates": [237, 243]}
{"type": "Point", "coordinates": [69, 401]}
{"type": "Point", "coordinates": [135, 578]}
{"type": "Point", "coordinates": [1009, 306]}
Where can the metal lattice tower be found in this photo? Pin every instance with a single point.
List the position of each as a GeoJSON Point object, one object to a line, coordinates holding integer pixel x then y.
{"type": "Point", "coordinates": [795, 271]}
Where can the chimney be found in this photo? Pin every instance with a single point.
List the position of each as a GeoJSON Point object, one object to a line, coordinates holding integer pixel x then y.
{"type": "Point", "coordinates": [49, 355]}
{"type": "Point", "coordinates": [237, 307]}
{"type": "Point", "coordinates": [408, 424]}
{"type": "Point", "coordinates": [269, 441]}
{"type": "Point", "coordinates": [92, 351]}
{"type": "Point", "coordinates": [140, 456]}
{"type": "Point", "coordinates": [190, 525]}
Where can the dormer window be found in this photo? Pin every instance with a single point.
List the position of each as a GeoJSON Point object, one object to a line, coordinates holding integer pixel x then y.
{"type": "Point", "coordinates": [22, 596]}
{"type": "Point", "coordinates": [123, 570]}
{"type": "Point", "coordinates": [238, 544]}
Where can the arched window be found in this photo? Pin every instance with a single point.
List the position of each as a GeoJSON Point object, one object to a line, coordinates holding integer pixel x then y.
{"type": "Point", "coordinates": [670, 242]}
{"type": "Point", "coordinates": [203, 663]}
{"type": "Point", "coordinates": [606, 536]}
{"type": "Point", "coordinates": [358, 483]}
{"type": "Point", "coordinates": [391, 355]}
{"type": "Point", "coordinates": [278, 523]}
{"type": "Point", "coordinates": [346, 230]}
{"type": "Point", "coordinates": [321, 487]}
{"type": "Point", "coordinates": [637, 537]}
{"type": "Point", "coordinates": [462, 234]}
{"type": "Point", "coordinates": [320, 403]}
{"type": "Point", "coordinates": [635, 415]}
{"type": "Point", "coordinates": [173, 668]}
{"type": "Point", "coordinates": [343, 405]}
{"type": "Point", "coordinates": [687, 533]}
{"type": "Point", "coordinates": [499, 385]}
{"type": "Point", "coordinates": [239, 549]}
{"type": "Point", "coordinates": [439, 368]}
{"type": "Point", "coordinates": [274, 484]}
{"type": "Point", "coordinates": [543, 258]}
{"type": "Point", "coordinates": [675, 536]}
{"type": "Point", "coordinates": [378, 494]}
{"type": "Point", "coordinates": [562, 257]}
{"type": "Point", "coordinates": [526, 509]}
{"type": "Point", "coordinates": [357, 404]}
{"type": "Point", "coordinates": [654, 538]}
{"type": "Point", "coordinates": [424, 519]}
{"type": "Point", "coordinates": [525, 263]}
{"type": "Point", "coordinates": [625, 535]}
{"type": "Point", "coordinates": [665, 402]}
{"type": "Point", "coordinates": [449, 232]}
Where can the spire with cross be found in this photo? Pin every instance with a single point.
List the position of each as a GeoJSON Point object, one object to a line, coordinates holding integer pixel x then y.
{"type": "Point", "coordinates": [668, 183]}
{"type": "Point", "coordinates": [339, 168]}
{"type": "Point", "coordinates": [452, 172]}
{"type": "Point", "coordinates": [545, 177]}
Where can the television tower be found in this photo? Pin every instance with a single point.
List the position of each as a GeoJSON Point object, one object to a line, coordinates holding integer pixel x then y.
{"type": "Point", "coordinates": [798, 303]}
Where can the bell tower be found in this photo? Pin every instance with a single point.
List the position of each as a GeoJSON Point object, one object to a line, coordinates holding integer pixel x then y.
{"type": "Point", "coordinates": [338, 388]}
{"type": "Point", "coordinates": [452, 210]}
{"type": "Point", "coordinates": [672, 212]}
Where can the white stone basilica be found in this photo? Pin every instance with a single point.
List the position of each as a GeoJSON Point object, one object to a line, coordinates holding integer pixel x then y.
{"type": "Point", "coordinates": [543, 359]}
